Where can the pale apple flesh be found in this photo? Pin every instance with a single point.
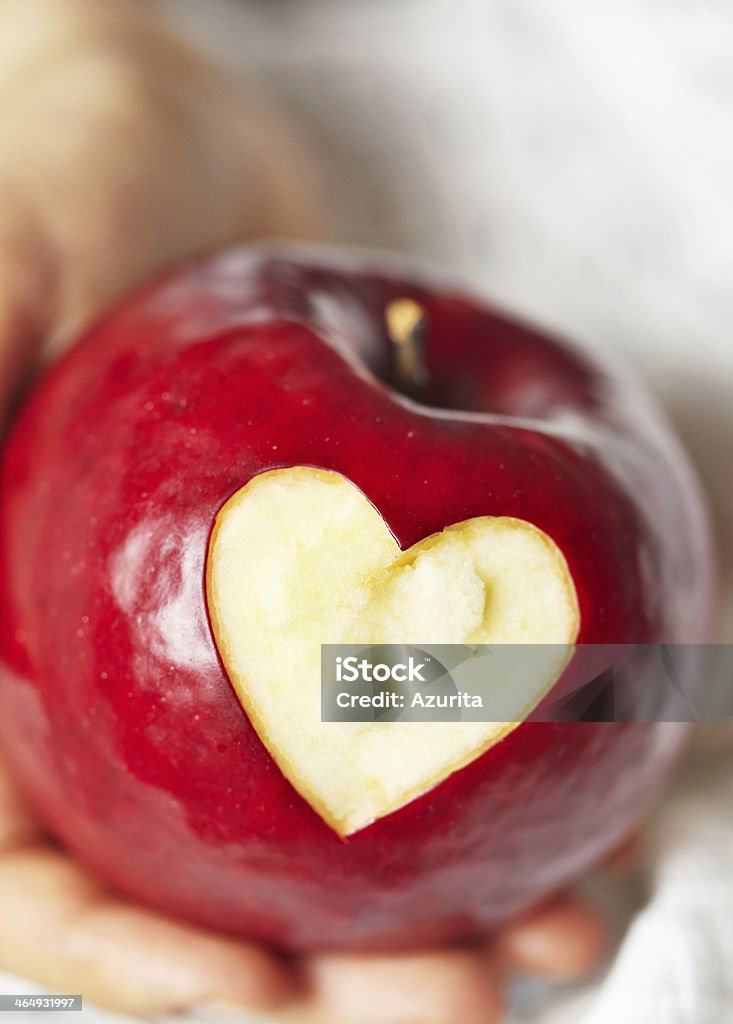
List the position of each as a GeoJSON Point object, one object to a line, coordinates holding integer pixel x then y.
{"type": "Point", "coordinates": [299, 557]}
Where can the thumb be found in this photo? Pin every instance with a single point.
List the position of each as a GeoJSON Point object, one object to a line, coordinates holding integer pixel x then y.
{"type": "Point", "coordinates": [156, 155]}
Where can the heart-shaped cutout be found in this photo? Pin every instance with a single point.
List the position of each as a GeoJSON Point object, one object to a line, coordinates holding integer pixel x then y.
{"type": "Point", "coordinates": [300, 557]}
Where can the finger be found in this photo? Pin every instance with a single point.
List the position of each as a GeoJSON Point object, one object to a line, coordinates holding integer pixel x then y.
{"type": "Point", "coordinates": [562, 940]}
{"type": "Point", "coordinates": [441, 987]}
{"type": "Point", "coordinates": [59, 927]}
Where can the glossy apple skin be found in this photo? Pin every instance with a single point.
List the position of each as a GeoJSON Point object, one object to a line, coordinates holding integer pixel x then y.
{"type": "Point", "coordinates": [116, 711]}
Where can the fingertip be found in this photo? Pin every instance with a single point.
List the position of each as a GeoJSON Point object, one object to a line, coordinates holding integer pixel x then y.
{"type": "Point", "coordinates": [441, 987]}
{"type": "Point", "coordinates": [261, 982]}
{"type": "Point", "coordinates": [561, 941]}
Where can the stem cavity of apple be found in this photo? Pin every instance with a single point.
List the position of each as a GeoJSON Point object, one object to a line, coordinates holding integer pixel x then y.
{"type": "Point", "coordinates": [407, 323]}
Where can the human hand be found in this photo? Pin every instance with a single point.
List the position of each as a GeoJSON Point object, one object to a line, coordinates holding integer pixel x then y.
{"type": "Point", "coordinates": [121, 151]}
{"type": "Point", "coordinates": [63, 928]}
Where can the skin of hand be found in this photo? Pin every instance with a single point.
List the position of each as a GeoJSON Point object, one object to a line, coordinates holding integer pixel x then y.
{"type": "Point", "coordinates": [122, 150]}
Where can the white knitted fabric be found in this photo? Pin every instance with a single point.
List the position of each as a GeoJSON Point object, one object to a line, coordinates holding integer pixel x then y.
{"type": "Point", "coordinates": [575, 160]}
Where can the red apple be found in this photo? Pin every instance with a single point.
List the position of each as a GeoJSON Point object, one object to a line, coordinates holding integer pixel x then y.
{"type": "Point", "coordinates": [224, 474]}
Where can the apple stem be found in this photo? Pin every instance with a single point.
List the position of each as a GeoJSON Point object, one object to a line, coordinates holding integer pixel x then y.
{"type": "Point", "coordinates": [406, 322]}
